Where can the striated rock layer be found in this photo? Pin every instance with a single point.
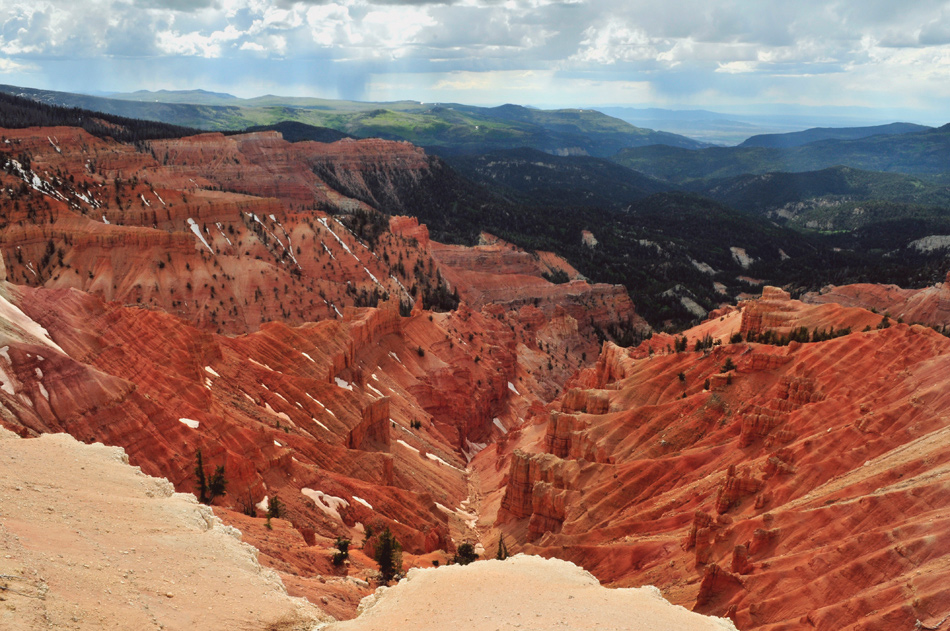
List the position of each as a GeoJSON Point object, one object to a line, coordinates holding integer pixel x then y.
{"type": "Point", "coordinates": [194, 295]}
{"type": "Point", "coordinates": [805, 488]}
{"type": "Point", "coordinates": [930, 305]}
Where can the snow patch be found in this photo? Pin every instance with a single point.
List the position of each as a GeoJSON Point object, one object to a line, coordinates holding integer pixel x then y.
{"type": "Point", "coordinates": [473, 449]}
{"type": "Point", "coordinates": [11, 313]}
{"type": "Point", "coordinates": [193, 424]}
{"type": "Point", "coordinates": [441, 461]}
{"type": "Point", "coordinates": [375, 280]}
{"type": "Point", "coordinates": [308, 357]}
{"type": "Point", "coordinates": [280, 415]}
{"type": "Point", "coordinates": [264, 504]}
{"type": "Point", "coordinates": [343, 384]}
{"type": "Point", "coordinates": [499, 425]}
{"type": "Point", "coordinates": [406, 445]}
{"type": "Point", "coordinates": [363, 502]}
{"type": "Point", "coordinates": [265, 366]}
{"type": "Point", "coordinates": [194, 228]}
{"type": "Point", "coordinates": [395, 356]}
{"type": "Point", "coordinates": [329, 504]}
{"type": "Point", "coordinates": [323, 220]}
{"type": "Point", "coordinates": [210, 371]}
{"type": "Point", "coordinates": [512, 387]}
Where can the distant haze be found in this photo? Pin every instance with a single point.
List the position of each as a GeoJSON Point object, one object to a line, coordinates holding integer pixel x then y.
{"type": "Point", "coordinates": [882, 59]}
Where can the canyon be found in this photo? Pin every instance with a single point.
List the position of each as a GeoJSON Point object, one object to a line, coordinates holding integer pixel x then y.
{"type": "Point", "coordinates": [219, 294]}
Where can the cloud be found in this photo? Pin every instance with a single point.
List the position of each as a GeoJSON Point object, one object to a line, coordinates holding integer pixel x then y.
{"type": "Point", "coordinates": [615, 42]}
{"type": "Point", "coordinates": [178, 5]}
{"type": "Point", "coordinates": [678, 49]}
{"type": "Point", "coordinates": [8, 66]}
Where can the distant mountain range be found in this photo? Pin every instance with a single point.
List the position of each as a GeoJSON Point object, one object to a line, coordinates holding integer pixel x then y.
{"type": "Point", "coordinates": [797, 139]}
{"type": "Point", "coordinates": [917, 152]}
{"type": "Point", "coordinates": [733, 128]}
{"type": "Point", "coordinates": [445, 128]}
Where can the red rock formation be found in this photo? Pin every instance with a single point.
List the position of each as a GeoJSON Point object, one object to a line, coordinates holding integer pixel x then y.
{"type": "Point", "coordinates": [409, 228]}
{"type": "Point", "coordinates": [155, 228]}
{"type": "Point", "coordinates": [929, 305]}
{"type": "Point", "coordinates": [776, 312]}
{"type": "Point", "coordinates": [820, 468]}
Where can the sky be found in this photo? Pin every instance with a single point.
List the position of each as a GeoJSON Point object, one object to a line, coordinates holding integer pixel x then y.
{"type": "Point", "coordinates": [711, 54]}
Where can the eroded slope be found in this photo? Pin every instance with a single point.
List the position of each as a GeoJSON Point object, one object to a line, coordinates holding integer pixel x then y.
{"type": "Point", "coordinates": [802, 488]}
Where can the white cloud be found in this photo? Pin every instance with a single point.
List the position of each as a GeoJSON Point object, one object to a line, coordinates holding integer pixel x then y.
{"type": "Point", "coordinates": [615, 42]}
{"type": "Point", "coordinates": [737, 67]}
{"type": "Point", "coordinates": [7, 66]}
{"type": "Point", "coordinates": [197, 44]}
{"type": "Point", "coordinates": [682, 49]}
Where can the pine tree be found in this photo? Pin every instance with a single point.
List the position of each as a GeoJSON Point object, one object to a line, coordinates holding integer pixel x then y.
{"type": "Point", "coordinates": [202, 481]}
{"type": "Point", "coordinates": [217, 484]}
{"type": "Point", "coordinates": [388, 554]}
{"type": "Point", "coordinates": [502, 552]}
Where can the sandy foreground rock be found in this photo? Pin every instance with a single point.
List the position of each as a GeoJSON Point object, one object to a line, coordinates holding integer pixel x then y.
{"type": "Point", "coordinates": [88, 542]}
{"type": "Point", "coordinates": [527, 593]}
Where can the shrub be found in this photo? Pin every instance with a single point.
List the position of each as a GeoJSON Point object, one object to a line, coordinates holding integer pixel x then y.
{"type": "Point", "coordinates": [342, 551]}
{"type": "Point", "coordinates": [728, 365]}
{"type": "Point", "coordinates": [465, 554]}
